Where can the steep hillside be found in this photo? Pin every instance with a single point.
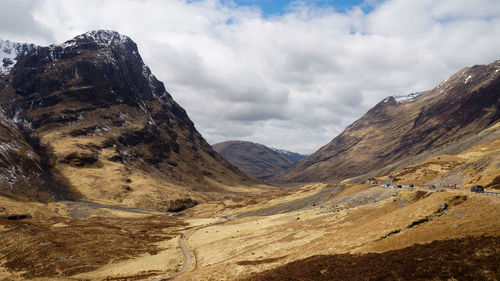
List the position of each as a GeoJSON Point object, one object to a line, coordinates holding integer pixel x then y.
{"type": "Point", "coordinates": [26, 166]}
{"type": "Point", "coordinates": [399, 128]}
{"type": "Point", "coordinates": [254, 159]}
{"type": "Point", "coordinates": [479, 164]}
{"type": "Point", "coordinates": [116, 133]}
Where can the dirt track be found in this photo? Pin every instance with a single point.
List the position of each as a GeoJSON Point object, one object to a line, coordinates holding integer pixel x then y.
{"type": "Point", "coordinates": [187, 260]}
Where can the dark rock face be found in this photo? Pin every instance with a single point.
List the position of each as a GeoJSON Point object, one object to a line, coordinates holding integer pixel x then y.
{"type": "Point", "coordinates": [402, 127]}
{"type": "Point", "coordinates": [100, 69]}
{"type": "Point", "coordinates": [96, 89]}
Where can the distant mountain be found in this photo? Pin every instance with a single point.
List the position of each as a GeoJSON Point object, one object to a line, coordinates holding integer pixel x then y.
{"type": "Point", "coordinates": [113, 131]}
{"type": "Point", "coordinates": [256, 159]}
{"type": "Point", "coordinates": [403, 130]}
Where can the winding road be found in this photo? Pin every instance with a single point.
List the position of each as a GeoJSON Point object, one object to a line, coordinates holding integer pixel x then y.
{"type": "Point", "coordinates": [185, 250]}
{"type": "Point", "coordinates": [187, 260]}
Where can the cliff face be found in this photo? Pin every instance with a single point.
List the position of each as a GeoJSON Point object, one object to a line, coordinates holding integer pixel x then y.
{"type": "Point", "coordinates": [402, 127]}
{"type": "Point", "coordinates": [115, 132]}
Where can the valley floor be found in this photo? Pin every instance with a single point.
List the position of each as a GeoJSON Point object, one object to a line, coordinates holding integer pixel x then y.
{"type": "Point", "coordinates": [313, 232]}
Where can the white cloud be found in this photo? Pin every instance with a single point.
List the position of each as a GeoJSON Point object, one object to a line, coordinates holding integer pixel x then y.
{"type": "Point", "coordinates": [292, 81]}
{"type": "Point", "coordinates": [17, 22]}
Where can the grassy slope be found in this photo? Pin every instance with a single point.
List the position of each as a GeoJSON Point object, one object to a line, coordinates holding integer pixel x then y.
{"type": "Point", "coordinates": [479, 164]}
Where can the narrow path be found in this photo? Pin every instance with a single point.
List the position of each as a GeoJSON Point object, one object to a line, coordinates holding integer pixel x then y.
{"type": "Point", "coordinates": [185, 250]}
{"type": "Point", "coordinates": [187, 260]}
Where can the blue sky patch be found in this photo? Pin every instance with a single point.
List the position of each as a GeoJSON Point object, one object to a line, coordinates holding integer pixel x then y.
{"type": "Point", "coordinates": [279, 7]}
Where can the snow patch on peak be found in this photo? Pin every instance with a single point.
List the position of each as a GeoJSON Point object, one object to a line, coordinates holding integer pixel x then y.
{"type": "Point", "coordinates": [288, 154]}
{"type": "Point", "coordinates": [292, 156]}
{"type": "Point", "coordinates": [408, 98]}
{"type": "Point", "coordinates": [282, 151]}
{"type": "Point", "coordinates": [67, 44]}
{"type": "Point", "coordinates": [104, 37]}
{"type": "Point", "coordinates": [467, 79]}
{"type": "Point", "coordinates": [9, 52]}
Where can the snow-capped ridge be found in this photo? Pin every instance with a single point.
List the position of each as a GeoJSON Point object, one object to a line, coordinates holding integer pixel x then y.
{"type": "Point", "coordinates": [408, 98]}
{"type": "Point", "coordinates": [282, 151]}
{"type": "Point", "coordinates": [103, 37]}
{"type": "Point", "coordinates": [404, 99]}
{"type": "Point", "coordinates": [289, 154]}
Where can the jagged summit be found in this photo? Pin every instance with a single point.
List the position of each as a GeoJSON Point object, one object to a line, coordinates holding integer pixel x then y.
{"type": "Point", "coordinates": [104, 59]}
{"type": "Point", "coordinates": [103, 37]}
{"type": "Point", "coordinates": [102, 40]}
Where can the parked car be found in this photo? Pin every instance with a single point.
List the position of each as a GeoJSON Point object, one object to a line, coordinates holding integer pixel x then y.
{"type": "Point", "coordinates": [411, 185]}
{"type": "Point", "coordinates": [477, 188]}
{"type": "Point", "coordinates": [432, 186]}
{"type": "Point", "coordinates": [385, 185]}
{"type": "Point", "coordinates": [399, 186]}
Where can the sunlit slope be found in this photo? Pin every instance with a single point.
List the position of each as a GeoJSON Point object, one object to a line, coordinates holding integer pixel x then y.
{"type": "Point", "coordinates": [399, 128]}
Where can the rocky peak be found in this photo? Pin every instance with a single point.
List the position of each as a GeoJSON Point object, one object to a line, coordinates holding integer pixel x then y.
{"type": "Point", "coordinates": [102, 38]}
{"type": "Point", "coordinates": [104, 67]}
{"type": "Point", "coordinates": [110, 45]}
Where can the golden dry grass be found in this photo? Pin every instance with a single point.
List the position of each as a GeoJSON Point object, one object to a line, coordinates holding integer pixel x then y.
{"type": "Point", "coordinates": [477, 165]}
{"type": "Point", "coordinates": [352, 189]}
{"type": "Point", "coordinates": [254, 244]}
{"type": "Point", "coordinates": [358, 220]}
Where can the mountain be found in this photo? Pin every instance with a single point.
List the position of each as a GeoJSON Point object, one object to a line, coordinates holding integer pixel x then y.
{"type": "Point", "coordinates": [114, 132]}
{"type": "Point", "coordinates": [405, 130]}
{"type": "Point", "coordinates": [256, 159]}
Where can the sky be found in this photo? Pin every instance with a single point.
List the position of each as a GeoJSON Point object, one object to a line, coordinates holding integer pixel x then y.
{"type": "Point", "coordinates": [286, 74]}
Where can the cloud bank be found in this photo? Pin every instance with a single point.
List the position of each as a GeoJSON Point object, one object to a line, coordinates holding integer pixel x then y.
{"type": "Point", "coordinates": [293, 80]}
